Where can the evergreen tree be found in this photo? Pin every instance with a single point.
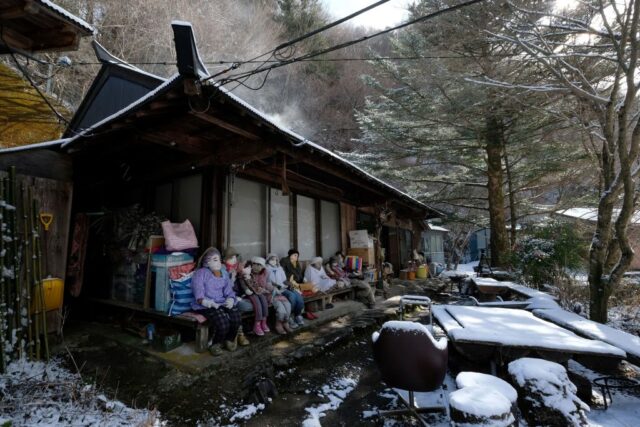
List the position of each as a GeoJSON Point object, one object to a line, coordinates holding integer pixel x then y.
{"type": "Point", "coordinates": [448, 139]}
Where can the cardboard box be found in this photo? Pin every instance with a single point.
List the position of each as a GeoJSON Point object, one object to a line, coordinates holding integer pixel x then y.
{"type": "Point", "coordinates": [360, 239]}
{"type": "Point", "coordinates": [367, 254]}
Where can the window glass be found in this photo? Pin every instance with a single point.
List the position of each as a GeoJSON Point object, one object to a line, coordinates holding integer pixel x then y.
{"type": "Point", "coordinates": [281, 223]}
{"type": "Point", "coordinates": [330, 228]}
{"type": "Point", "coordinates": [306, 212]}
{"type": "Point", "coordinates": [247, 213]}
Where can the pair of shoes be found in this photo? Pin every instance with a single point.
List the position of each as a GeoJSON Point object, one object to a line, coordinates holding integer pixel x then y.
{"type": "Point", "coordinates": [299, 320]}
{"type": "Point", "coordinates": [309, 315]}
{"type": "Point", "coordinates": [328, 305]}
{"type": "Point", "coordinates": [215, 349]}
{"type": "Point", "coordinates": [287, 327]}
{"type": "Point", "coordinates": [263, 325]}
{"type": "Point", "coordinates": [280, 328]}
{"type": "Point", "coordinates": [257, 329]}
{"type": "Point", "coordinates": [231, 345]}
{"type": "Point", "coordinates": [242, 339]}
{"type": "Point", "coordinates": [292, 323]}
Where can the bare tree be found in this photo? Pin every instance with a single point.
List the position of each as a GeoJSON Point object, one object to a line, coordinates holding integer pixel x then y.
{"type": "Point", "coordinates": [591, 54]}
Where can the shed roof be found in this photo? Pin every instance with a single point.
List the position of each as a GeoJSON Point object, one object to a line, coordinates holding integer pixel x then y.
{"type": "Point", "coordinates": [38, 25]}
{"type": "Point", "coordinates": [187, 52]}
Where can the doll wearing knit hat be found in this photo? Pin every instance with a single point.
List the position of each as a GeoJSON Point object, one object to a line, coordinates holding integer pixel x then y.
{"type": "Point", "coordinates": [215, 300]}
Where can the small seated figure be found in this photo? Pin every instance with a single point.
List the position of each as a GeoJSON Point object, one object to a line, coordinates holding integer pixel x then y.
{"type": "Point", "coordinates": [249, 291]}
{"type": "Point", "coordinates": [278, 278]}
{"type": "Point", "coordinates": [280, 303]}
{"type": "Point", "coordinates": [315, 274]}
{"type": "Point", "coordinates": [215, 300]}
{"type": "Point", "coordinates": [364, 292]}
{"type": "Point", "coordinates": [293, 271]}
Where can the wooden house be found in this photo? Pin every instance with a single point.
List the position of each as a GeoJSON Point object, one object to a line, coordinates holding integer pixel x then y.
{"type": "Point", "coordinates": [187, 148]}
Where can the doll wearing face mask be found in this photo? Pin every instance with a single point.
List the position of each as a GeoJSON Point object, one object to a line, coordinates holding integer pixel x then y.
{"type": "Point", "coordinates": [251, 291]}
{"type": "Point", "coordinates": [231, 263]}
{"type": "Point", "coordinates": [216, 300]}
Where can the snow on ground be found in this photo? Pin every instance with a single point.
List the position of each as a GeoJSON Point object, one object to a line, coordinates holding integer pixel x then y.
{"type": "Point", "coordinates": [462, 269]}
{"type": "Point", "coordinates": [335, 391]}
{"type": "Point", "coordinates": [35, 393]}
{"type": "Point", "coordinates": [624, 411]}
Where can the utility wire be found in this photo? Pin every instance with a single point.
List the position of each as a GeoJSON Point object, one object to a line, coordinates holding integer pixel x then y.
{"type": "Point", "coordinates": [26, 75]}
{"type": "Point", "coordinates": [276, 61]}
{"type": "Point", "coordinates": [290, 43]}
{"type": "Point", "coordinates": [313, 54]}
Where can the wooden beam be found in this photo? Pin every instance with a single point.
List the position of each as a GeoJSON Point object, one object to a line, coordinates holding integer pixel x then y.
{"type": "Point", "coordinates": [15, 39]}
{"type": "Point", "coordinates": [13, 12]}
{"type": "Point", "coordinates": [226, 125]}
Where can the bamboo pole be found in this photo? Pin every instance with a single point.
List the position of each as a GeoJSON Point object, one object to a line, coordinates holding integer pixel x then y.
{"type": "Point", "coordinates": [3, 287]}
{"type": "Point", "coordinates": [26, 269]}
{"type": "Point", "coordinates": [31, 262]}
{"type": "Point", "coordinates": [14, 282]}
{"type": "Point", "coordinates": [38, 265]}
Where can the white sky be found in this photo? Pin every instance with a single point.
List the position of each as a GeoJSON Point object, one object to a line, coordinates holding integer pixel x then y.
{"type": "Point", "coordinates": [386, 15]}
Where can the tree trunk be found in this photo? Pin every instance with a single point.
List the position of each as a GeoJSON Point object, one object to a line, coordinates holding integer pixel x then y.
{"type": "Point", "coordinates": [499, 240]}
{"type": "Point", "coordinates": [512, 200]}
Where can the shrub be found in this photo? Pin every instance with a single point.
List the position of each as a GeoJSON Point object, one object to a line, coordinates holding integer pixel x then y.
{"type": "Point", "coordinates": [546, 255]}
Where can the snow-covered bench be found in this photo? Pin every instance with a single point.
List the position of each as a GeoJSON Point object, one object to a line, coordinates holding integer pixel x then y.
{"type": "Point", "coordinates": [594, 330]}
{"type": "Point", "coordinates": [526, 291]}
{"type": "Point", "coordinates": [484, 333]}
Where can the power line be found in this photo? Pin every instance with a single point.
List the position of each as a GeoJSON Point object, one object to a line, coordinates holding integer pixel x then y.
{"type": "Point", "coordinates": [313, 54]}
{"type": "Point", "coordinates": [347, 59]}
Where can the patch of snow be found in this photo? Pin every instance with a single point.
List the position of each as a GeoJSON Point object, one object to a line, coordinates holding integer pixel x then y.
{"type": "Point", "coordinates": [542, 302]}
{"type": "Point", "coordinates": [416, 328]}
{"type": "Point", "coordinates": [67, 15]}
{"type": "Point", "coordinates": [336, 391]}
{"type": "Point", "coordinates": [37, 393]}
{"type": "Point", "coordinates": [481, 402]}
{"type": "Point", "coordinates": [627, 342]}
{"type": "Point", "coordinates": [472, 379]}
{"type": "Point", "coordinates": [547, 378]}
{"type": "Point", "coordinates": [247, 412]}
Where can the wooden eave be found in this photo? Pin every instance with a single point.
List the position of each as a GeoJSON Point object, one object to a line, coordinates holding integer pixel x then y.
{"type": "Point", "coordinates": [32, 26]}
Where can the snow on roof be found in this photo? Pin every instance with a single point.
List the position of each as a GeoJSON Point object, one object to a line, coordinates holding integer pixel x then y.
{"type": "Point", "coordinates": [304, 141]}
{"type": "Point", "coordinates": [591, 214]}
{"type": "Point", "coordinates": [514, 328]}
{"type": "Point", "coordinates": [471, 379]}
{"type": "Point", "coordinates": [436, 228]}
{"type": "Point", "coordinates": [107, 57]}
{"type": "Point", "coordinates": [87, 132]}
{"type": "Point", "coordinates": [416, 328]}
{"type": "Point", "coordinates": [482, 402]}
{"type": "Point", "coordinates": [67, 15]}
{"type": "Point", "coordinates": [597, 331]}
{"type": "Point", "coordinates": [45, 144]}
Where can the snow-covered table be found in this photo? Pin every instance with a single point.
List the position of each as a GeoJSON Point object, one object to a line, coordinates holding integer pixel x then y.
{"type": "Point", "coordinates": [486, 334]}
{"type": "Point", "coordinates": [594, 330]}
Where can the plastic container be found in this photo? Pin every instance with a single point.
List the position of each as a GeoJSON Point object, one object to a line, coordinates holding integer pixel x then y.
{"type": "Point", "coordinates": [422, 272]}
{"type": "Point", "coordinates": [53, 293]}
{"type": "Point", "coordinates": [160, 264]}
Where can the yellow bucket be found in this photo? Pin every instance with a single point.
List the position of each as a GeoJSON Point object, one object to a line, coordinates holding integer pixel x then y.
{"type": "Point", "coordinates": [422, 272]}
{"type": "Point", "coordinates": [53, 289]}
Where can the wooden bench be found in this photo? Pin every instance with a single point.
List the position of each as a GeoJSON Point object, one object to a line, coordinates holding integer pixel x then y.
{"type": "Point", "coordinates": [323, 297]}
{"type": "Point", "coordinates": [201, 329]}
